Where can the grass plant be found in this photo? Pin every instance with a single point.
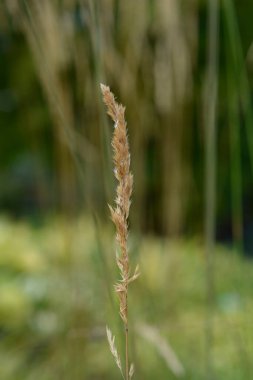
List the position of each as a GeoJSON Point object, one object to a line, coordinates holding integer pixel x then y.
{"type": "Point", "coordinates": [119, 215]}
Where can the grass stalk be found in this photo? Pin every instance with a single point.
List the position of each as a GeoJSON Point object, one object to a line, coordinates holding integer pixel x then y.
{"type": "Point", "coordinates": [211, 98]}
{"type": "Point", "coordinates": [235, 162]}
{"type": "Point", "coordinates": [240, 73]}
{"type": "Point", "coordinates": [119, 215]}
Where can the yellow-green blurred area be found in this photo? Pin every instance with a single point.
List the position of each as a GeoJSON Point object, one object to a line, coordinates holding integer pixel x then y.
{"type": "Point", "coordinates": [184, 71]}
{"type": "Point", "coordinates": [56, 296]}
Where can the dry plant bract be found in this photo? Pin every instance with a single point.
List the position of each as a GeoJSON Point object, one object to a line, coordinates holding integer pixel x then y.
{"type": "Point", "coordinates": [119, 215]}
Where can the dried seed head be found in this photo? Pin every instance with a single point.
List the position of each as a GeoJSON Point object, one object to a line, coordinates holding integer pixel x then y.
{"type": "Point", "coordinates": [120, 213]}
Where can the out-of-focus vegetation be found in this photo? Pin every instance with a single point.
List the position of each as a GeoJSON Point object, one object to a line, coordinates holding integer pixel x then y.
{"type": "Point", "coordinates": [55, 300]}
{"type": "Point", "coordinates": [55, 151]}
{"type": "Point", "coordinates": [191, 316]}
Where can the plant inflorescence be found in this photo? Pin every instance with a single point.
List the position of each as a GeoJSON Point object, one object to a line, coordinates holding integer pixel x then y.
{"type": "Point", "coordinates": [119, 215]}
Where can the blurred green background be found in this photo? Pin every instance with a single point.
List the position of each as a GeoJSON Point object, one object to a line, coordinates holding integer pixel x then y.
{"type": "Point", "coordinates": [184, 71]}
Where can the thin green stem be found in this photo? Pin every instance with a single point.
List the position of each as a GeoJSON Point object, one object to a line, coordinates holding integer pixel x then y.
{"type": "Point", "coordinates": [126, 352]}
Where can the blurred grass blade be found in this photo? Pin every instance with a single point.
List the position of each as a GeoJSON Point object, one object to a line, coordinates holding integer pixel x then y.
{"type": "Point", "coordinates": [233, 103]}
{"type": "Point", "coordinates": [152, 335]}
{"type": "Point", "coordinates": [240, 76]}
{"type": "Point", "coordinates": [210, 108]}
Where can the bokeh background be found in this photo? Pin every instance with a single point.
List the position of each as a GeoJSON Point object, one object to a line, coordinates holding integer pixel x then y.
{"type": "Point", "coordinates": [184, 71]}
